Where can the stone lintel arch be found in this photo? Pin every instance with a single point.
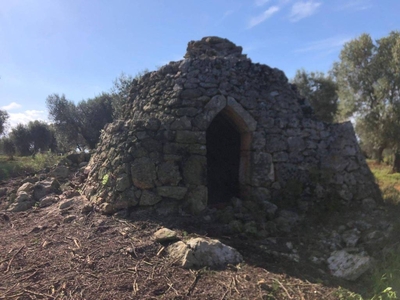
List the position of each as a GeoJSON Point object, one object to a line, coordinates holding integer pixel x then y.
{"type": "Point", "coordinates": [245, 125]}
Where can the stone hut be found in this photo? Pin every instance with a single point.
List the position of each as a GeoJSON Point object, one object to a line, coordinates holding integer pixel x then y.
{"type": "Point", "coordinates": [215, 126]}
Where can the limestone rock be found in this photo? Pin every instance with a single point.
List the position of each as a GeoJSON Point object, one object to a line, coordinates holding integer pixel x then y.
{"type": "Point", "coordinates": [66, 204]}
{"type": "Point", "coordinates": [165, 235]}
{"type": "Point", "coordinates": [149, 198]}
{"type": "Point", "coordinates": [45, 187]}
{"type": "Point", "coordinates": [69, 219]}
{"type": "Point", "coordinates": [47, 201]}
{"type": "Point", "coordinates": [348, 266]}
{"type": "Point", "coordinates": [175, 192]}
{"type": "Point", "coordinates": [351, 237]}
{"type": "Point", "coordinates": [143, 173]}
{"type": "Point", "coordinates": [286, 220]}
{"type": "Point", "coordinates": [122, 183]}
{"type": "Point", "coordinates": [107, 208]}
{"type": "Point", "coordinates": [200, 252]}
{"type": "Point", "coordinates": [213, 46]}
{"type": "Point", "coordinates": [197, 199]}
{"type": "Point", "coordinates": [60, 172]}
{"type": "Point", "coordinates": [168, 173]}
{"type": "Point", "coordinates": [22, 202]}
{"type": "Point", "coordinates": [26, 187]}
{"type": "Point", "coordinates": [87, 208]}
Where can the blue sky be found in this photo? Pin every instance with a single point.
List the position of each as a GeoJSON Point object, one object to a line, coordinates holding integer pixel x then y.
{"type": "Point", "coordinates": [78, 47]}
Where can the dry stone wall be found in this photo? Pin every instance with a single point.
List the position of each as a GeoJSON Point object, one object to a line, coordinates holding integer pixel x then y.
{"type": "Point", "coordinates": [157, 154]}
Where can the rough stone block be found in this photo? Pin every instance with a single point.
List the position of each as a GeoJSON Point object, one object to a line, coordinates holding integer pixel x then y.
{"type": "Point", "coordinates": [175, 192]}
{"type": "Point", "coordinates": [143, 172]}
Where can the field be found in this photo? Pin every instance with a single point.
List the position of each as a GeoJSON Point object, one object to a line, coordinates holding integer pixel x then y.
{"type": "Point", "coordinates": [49, 253]}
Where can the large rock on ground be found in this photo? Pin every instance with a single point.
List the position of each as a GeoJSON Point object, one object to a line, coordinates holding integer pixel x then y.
{"type": "Point", "coordinates": [200, 252]}
{"type": "Point", "coordinates": [27, 187]}
{"type": "Point", "coordinates": [23, 202]}
{"type": "Point", "coordinates": [61, 172]}
{"type": "Point", "coordinates": [348, 266]}
{"type": "Point", "coordinates": [45, 187]}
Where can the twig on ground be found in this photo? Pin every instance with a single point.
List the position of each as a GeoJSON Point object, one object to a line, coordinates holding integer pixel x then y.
{"type": "Point", "coordinates": [7, 291]}
{"type": "Point", "coordinates": [12, 258]}
{"type": "Point", "coordinates": [97, 277]}
{"type": "Point", "coordinates": [160, 251]}
{"type": "Point", "coordinates": [135, 288]}
{"type": "Point", "coordinates": [194, 282]}
{"type": "Point", "coordinates": [38, 294]}
{"type": "Point", "coordinates": [235, 284]}
{"type": "Point", "coordinates": [283, 287]}
{"type": "Point", "coordinates": [30, 276]}
{"type": "Point", "coordinates": [169, 283]}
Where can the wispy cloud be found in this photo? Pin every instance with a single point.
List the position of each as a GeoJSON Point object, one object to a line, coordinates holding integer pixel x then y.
{"type": "Point", "coordinates": [264, 16]}
{"type": "Point", "coordinates": [356, 5]}
{"type": "Point", "coordinates": [26, 116]}
{"type": "Point", "coordinates": [301, 10]}
{"type": "Point", "coordinates": [326, 45]}
{"type": "Point", "coordinates": [261, 2]}
{"type": "Point", "coordinates": [228, 12]}
{"type": "Point", "coordinates": [12, 105]}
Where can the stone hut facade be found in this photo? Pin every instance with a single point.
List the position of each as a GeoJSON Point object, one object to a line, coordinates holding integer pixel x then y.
{"type": "Point", "coordinates": [215, 126]}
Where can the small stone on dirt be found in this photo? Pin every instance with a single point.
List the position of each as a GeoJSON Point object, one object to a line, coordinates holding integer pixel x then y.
{"type": "Point", "coordinates": [201, 252]}
{"type": "Point", "coordinates": [65, 204]}
{"type": "Point", "coordinates": [165, 235]}
{"type": "Point", "coordinates": [47, 201]}
{"type": "Point", "coordinates": [87, 208]}
{"type": "Point", "coordinates": [69, 219]}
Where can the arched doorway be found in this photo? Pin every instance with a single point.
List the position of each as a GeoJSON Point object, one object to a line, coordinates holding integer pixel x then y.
{"type": "Point", "coordinates": [223, 159]}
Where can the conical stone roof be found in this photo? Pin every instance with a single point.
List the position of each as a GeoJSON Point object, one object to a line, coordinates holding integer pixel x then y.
{"type": "Point", "coordinates": [159, 154]}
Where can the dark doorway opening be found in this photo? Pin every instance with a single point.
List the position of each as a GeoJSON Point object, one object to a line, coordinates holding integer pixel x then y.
{"type": "Point", "coordinates": [223, 160]}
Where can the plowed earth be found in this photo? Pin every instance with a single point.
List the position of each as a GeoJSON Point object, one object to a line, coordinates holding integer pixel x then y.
{"type": "Point", "coordinates": [49, 253]}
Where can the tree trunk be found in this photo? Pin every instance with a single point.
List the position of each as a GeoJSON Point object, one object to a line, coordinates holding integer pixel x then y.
{"type": "Point", "coordinates": [379, 155]}
{"type": "Point", "coordinates": [396, 162]}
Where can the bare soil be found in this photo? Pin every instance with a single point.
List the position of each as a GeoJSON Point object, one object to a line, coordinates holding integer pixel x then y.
{"type": "Point", "coordinates": [48, 253]}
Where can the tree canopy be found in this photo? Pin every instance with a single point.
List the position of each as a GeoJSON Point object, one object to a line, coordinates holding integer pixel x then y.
{"type": "Point", "coordinates": [368, 77]}
{"type": "Point", "coordinates": [3, 120]}
{"type": "Point", "coordinates": [31, 138]}
{"type": "Point", "coordinates": [120, 92]}
{"type": "Point", "coordinates": [80, 124]}
{"type": "Point", "coordinates": [320, 90]}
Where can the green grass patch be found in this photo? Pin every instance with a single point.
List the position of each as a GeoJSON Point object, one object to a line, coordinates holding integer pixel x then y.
{"type": "Point", "coordinates": [385, 279]}
{"type": "Point", "coordinates": [389, 182]}
{"type": "Point", "coordinates": [20, 165]}
{"type": "Point", "coordinates": [383, 174]}
{"type": "Point", "coordinates": [386, 276]}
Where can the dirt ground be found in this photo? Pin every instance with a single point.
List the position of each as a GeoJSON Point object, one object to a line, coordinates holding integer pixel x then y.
{"type": "Point", "coordinates": [53, 253]}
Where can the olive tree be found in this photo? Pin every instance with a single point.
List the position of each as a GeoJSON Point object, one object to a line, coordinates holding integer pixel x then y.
{"type": "Point", "coordinates": [368, 78]}
{"type": "Point", "coordinates": [321, 91]}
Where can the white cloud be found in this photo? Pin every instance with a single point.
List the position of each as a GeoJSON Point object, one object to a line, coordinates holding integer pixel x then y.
{"type": "Point", "coordinates": [228, 12]}
{"type": "Point", "coordinates": [11, 106]}
{"type": "Point", "coordinates": [356, 5]}
{"type": "Point", "coordinates": [326, 45]}
{"type": "Point", "coordinates": [264, 16]}
{"type": "Point", "coordinates": [26, 116]}
{"type": "Point", "coordinates": [261, 2]}
{"type": "Point", "coordinates": [303, 9]}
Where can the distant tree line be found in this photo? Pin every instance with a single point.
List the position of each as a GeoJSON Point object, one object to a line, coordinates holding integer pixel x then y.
{"type": "Point", "coordinates": [73, 126]}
